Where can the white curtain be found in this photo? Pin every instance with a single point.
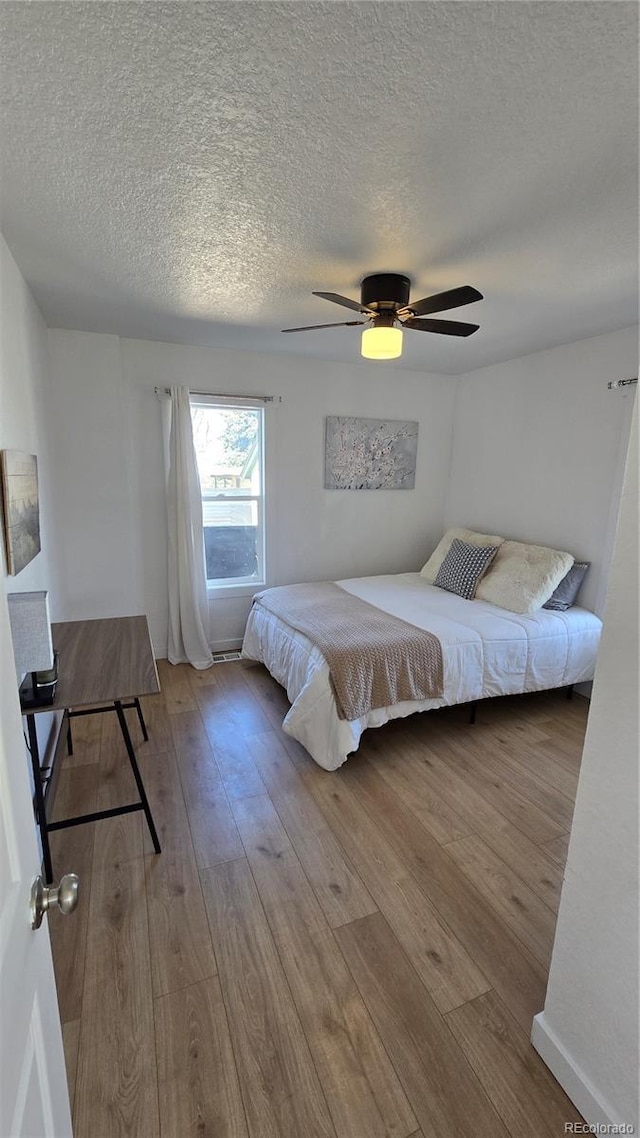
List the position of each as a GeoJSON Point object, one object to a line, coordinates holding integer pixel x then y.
{"type": "Point", "coordinates": [188, 606]}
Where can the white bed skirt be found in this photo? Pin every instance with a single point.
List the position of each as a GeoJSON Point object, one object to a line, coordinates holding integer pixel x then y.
{"type": "Point", "coordinates": [486, 650]}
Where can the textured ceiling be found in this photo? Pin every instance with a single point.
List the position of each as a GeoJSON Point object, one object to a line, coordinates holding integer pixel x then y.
{"type": "Point", "coordinates": [191, 171]}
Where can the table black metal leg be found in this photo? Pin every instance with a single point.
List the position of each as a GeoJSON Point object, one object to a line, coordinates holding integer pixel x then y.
{"type": "Point", "coordinates": [41, 816]}
{"type": "Point", "coordinates": [143, 725]}
{"type": "Point", "coordinates": [136, 774]}
{"type": "Point", "coordinates": [69, 738]}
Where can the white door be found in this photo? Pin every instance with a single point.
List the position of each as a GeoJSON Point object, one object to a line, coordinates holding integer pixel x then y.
{"type": "Point", "coordinates": [34, 1100]}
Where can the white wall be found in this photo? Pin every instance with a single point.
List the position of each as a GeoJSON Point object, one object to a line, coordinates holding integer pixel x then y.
{"type": "Point", "coordinates": [588, 1032]}
{"type": "Point", "coordinates": [537, 454]}
{"type": "Point", "coordinates": [97, 549]}
{"type": "Point", "coordinates": [110, 481]}
{"type": "Point", "coordinates": [23, 394]}
{"type": "Point", "coordinates": [539, 447]}
{"type": "Point", "coordinates": [23, 397]}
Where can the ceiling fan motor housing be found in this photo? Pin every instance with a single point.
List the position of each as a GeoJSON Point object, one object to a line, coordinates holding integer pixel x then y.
{"type": "Point", "coordinates": [385, 291]}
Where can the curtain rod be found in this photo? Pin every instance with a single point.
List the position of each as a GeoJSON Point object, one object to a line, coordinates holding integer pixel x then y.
{"type": "Point", "coordinates": [224, 395]}
{"type": "Point", "coordinates": [615, 383]}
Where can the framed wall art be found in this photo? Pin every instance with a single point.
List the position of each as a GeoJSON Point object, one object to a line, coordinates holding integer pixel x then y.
{"type": "Point", "coordinates": [370, 454]}
{"type": "Point", "coordinates": [21, 508]}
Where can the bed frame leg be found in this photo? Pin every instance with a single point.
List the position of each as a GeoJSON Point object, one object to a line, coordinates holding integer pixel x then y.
{"type": "Point", "coordinates": [472, 712]}
{"type": "Point", "coordinates": [570, 691]}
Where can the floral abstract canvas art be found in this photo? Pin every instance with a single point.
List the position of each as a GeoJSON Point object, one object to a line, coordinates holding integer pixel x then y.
{"type": "Point", "coordinates": [370, 454]}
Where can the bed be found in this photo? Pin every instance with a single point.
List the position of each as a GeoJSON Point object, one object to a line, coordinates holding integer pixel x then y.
{"type": "Point", "coordinates": [486, 651]}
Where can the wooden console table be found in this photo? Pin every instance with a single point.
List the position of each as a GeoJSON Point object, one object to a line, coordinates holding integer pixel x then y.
{"type": "Point", "coordinates": [107, 662]}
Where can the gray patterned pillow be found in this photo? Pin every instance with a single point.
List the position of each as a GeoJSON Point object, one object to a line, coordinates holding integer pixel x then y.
{"type": "Point", "coordinates": [463, 567]}
{"type": "Point", "coordinates": [564, 596]}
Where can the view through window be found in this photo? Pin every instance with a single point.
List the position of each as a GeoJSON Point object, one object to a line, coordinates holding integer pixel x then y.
{"type": "Point", "coordinates": [228, 439]}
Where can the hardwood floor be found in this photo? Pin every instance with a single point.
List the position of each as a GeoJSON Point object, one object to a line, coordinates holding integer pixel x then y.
{"type": "Point", "coordinates": [356, 954]}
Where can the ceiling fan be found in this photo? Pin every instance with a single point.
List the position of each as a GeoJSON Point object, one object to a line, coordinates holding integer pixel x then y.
{"type": "Point", "coordinates": [384, 301]}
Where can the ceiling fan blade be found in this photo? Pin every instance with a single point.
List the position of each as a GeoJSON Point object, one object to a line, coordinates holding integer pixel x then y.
{"type": "Point", "coordinates": [344, 301]}
{"type": "Point", "coordinates": [443, 301]}
{"type": "Point", "coordinates": [446, 327]}
{"type": "Point", "coordinates": [340, 324]}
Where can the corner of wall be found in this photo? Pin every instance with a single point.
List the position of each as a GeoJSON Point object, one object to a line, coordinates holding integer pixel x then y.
{"type": "Point", "coordinates": [445, 518]}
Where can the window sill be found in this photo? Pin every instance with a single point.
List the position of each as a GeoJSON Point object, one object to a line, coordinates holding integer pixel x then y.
{"type": "Point", "coordinates": [230, 591]}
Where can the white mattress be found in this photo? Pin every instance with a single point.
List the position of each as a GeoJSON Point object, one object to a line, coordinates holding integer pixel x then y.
{"type": "Point", "coordinates": [487, 651]}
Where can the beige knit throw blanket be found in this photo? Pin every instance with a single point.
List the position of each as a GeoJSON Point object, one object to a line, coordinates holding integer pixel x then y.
{"type": "Point", "coordinates": [374, 659]}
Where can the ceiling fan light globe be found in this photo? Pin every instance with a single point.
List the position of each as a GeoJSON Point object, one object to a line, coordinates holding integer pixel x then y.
{"type": "Point", "coordinates": [381, 343]}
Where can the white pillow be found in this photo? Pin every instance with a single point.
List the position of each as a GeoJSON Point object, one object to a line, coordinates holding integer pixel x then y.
{"type": "Point", "coordinates": [430, 569]}
{"type": "Point", "coordinates": [522, 577]}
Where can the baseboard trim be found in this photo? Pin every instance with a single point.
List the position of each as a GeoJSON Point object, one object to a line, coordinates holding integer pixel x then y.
{"type": "Point", "coordinates": [583, 1094]}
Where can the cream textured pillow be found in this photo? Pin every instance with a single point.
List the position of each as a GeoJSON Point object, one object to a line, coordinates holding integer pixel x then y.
{"type": "Point", "coordinates": [430, 569]}
{"type": "Point", "coordinates": [522, 577]}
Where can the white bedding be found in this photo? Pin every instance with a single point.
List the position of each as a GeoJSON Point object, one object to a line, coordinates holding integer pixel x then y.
{"type": "Point", "coordinates": [487, 651]}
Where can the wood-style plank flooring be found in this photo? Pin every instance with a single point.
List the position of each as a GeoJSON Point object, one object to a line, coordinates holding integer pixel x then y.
{"type": "Point", "coordinates": [356, 954]}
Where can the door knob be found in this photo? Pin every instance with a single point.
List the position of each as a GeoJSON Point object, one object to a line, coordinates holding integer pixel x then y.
{"type": "Point", "coordinates": [44, 897]}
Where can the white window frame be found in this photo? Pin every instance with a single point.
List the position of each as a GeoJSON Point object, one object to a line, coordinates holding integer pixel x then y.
{"type": "Point", "coordinates": [240, 585]}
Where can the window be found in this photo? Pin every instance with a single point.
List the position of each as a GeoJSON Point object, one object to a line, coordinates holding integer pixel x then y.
{"type": "Point", "coordinates": [228, 436]}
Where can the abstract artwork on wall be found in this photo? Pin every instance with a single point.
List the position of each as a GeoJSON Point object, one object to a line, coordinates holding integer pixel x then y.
{"type": "Point", "coordinates": [21, 508]}
{"type": "Point", "coordinates": [370, 454]}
